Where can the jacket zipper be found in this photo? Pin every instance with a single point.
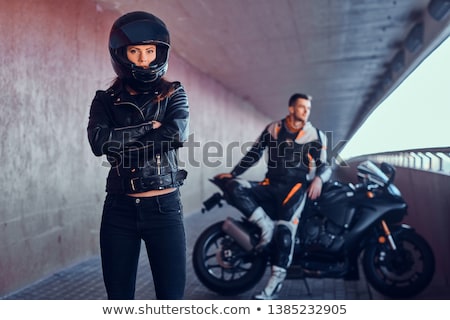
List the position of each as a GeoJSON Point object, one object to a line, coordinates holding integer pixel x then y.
{"type": "Point", "coordinates": [158, 164]}
{"type": "Point", "coordinates": [158, 110]}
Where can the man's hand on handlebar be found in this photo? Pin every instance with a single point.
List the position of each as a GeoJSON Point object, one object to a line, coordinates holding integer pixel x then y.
{"type": "Point", "coordinates": [223, 176]}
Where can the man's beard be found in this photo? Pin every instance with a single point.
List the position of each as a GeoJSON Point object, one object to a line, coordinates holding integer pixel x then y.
{"type": "Point", "coordinates": [290, 120]}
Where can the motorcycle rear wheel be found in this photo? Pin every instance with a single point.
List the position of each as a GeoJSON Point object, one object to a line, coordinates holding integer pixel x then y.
{"type": "Point", "coordinates": [401, 273]}
{"type": "Point", "coordinates": [223, 266]}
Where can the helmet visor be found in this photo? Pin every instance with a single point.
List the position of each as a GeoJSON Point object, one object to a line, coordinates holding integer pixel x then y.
{"type": "Point", "coordinates": [139, 32]}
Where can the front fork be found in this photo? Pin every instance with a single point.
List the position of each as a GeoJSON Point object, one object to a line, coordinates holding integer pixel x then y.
{"type": "Point", "coordinates": [387, 235]}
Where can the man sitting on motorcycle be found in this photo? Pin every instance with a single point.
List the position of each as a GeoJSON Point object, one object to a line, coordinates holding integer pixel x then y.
{"type": "Point", "coordinates": [297, 165]}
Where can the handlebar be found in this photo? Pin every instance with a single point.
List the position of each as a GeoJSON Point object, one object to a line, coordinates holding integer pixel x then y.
{"type": "Point", "coordinates": [211, 202]}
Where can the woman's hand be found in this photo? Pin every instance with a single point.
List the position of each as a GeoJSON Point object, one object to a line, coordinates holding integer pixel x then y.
{"type": "Point", "coordinates": [156, 124]}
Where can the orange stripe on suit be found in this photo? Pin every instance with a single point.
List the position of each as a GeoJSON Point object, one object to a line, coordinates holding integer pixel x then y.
{"type": "Point", "coordinates": [292, 192]}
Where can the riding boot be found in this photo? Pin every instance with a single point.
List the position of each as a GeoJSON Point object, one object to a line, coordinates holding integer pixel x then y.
{"type": "Point", "coordinates": [274, 284]}
{"type": "Point", "coordinates": [262, 220]}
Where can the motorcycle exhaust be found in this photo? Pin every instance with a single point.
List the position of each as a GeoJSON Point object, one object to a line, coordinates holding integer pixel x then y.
{"type": "Point", "coordinates": [235, 231]}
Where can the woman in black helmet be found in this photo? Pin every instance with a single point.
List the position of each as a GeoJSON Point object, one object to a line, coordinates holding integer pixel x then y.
{"type": "Point", "coordinates": [139, 123]}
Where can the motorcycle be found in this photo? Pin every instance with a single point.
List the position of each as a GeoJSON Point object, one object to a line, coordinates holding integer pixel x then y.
{"type": "Point", "coordinates": [346, 226]}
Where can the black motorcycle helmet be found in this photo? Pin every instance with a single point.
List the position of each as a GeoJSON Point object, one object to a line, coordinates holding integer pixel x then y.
{"type": "Point", "coordinates": [136, 28]}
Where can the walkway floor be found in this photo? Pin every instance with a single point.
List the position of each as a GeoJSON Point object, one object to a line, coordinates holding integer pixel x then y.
{"type": "Point", "coordinates": [84, 280]}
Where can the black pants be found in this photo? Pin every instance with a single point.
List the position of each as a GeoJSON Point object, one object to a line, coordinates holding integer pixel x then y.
{"type": "Point", "coordinates": [158, 221]}
{"type": "Point", "coordinates": [283, 202]}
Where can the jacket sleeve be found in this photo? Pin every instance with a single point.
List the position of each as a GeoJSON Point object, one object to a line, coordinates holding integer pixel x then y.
{"type": "Point", "coordinates": [323, 168]}
{"type": "Point", "coordinates": [103, 135]}
{"type": "Point", "coordinates": [174, 129]}
{"type": "Point", "coordinates": [253, 155]}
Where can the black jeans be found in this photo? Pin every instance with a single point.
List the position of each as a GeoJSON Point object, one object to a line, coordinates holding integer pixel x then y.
{"type": "Point", "coordinates": [158, 221]}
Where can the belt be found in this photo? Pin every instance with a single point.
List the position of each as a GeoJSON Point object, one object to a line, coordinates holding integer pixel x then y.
{"type": "Point", "coordinates": [157, 182]}
{"type": "Point", "coordinates": [142, 184]}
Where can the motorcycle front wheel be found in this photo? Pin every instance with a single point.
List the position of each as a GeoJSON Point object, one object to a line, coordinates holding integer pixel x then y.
{"type": "Point", "coordinates": [400, 273]}
{"type": "Point", "coordinates": [223, 266]}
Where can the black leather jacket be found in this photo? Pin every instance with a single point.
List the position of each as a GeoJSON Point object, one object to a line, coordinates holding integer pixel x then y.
{"type": "Point", "coordinates": [142, 158]}
{"type": "Point", "coordinates": [292, 157]}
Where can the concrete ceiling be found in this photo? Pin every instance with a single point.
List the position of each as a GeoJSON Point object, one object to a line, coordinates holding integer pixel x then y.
{"type": "Point", "coordinates": [348, 54]}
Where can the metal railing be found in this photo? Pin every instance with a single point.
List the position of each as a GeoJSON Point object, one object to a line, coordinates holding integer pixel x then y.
{"type": "Point", "coordinates": [431, 159]}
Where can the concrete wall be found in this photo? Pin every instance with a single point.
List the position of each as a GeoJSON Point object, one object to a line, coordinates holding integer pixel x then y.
{"type": "Point", "coordinates": [428, 197]}
{"type": "Point", "coordinates": [53, 58]}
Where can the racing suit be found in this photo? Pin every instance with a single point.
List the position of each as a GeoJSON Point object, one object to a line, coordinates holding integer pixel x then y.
{"type": "Point", "coordinates": [293, 160]}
